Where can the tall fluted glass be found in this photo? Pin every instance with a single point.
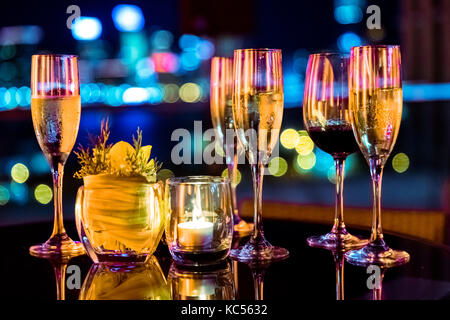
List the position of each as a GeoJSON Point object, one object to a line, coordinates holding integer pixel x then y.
{"type": "Point", "coordinates": [56, 111]}
{"type": "Point", "coordinates": [257, 114]}
{"type": "Point", "coordinates": [327, 120]}
{"type": "Point", "coordinates": [375, 99]}
{"type": "Point", "coordinates": [222, 119]}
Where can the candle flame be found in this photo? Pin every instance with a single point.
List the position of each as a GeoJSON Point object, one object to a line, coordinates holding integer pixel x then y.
{"type": "Point", "coordinates": [197, 204]}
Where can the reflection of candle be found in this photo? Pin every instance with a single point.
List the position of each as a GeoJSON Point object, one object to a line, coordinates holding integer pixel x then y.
{"type": "Point", "coordinates": [195, 233]}
{"type": "Point", "coordinates": [203, 289]}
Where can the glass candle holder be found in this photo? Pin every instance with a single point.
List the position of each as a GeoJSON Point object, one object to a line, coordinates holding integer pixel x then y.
{"type": "Point", "coordinates": [210, 283]}
{"type": "Point", "coordinates": [199, 219]}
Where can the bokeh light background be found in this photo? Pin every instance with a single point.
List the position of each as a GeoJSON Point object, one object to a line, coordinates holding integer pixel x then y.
{"type": "Point", "coordinates": [146, 64]}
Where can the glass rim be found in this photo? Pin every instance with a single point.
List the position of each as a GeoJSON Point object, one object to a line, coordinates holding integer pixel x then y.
{"type": "Point", "coordinates": [258, 49]}
{"type": "Point", "coordinates": [377, 46]}
{"type": "Point", "coordinates": [221, 57]}
{"type": "Point", "coordinates": [195, 180]}
{"type": "Point", "coordinates": [56, 55]}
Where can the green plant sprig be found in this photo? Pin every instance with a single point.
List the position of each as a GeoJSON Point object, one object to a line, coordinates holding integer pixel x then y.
{"type": "Point", "coordinates": [98, 161]}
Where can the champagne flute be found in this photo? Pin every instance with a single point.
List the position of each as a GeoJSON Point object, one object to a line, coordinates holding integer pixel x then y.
{"type": "Point", "coordinates": [257, 114]}
{"type": "Point", "coordinates": [56, 110]}
{"type": "Point", "coordinates": [375, 99]}
{"type": "Point", "coordinates": [222, 119]}
{"type": "Point", "coordinates": [327, 120]}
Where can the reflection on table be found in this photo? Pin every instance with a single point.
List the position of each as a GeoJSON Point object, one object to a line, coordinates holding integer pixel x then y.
{"type": "Point", "coordinates": [126, 282]}
{"type": "Point", "coordinates": [211, 283]}
{"type": "Point", "coordinates": [309, 273]}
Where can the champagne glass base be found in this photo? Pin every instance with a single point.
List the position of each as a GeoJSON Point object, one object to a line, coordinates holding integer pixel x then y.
{"type": "Point", "coordinates": [380, 255]}
{"type": "Point", "coordinates": [337, 241]}
{"type": "Point", "coordinates": [259, 253]}
{"type": "Point", "coordinates": [58, 245]}
{"type": "Point", "coordinates": [243, 229]}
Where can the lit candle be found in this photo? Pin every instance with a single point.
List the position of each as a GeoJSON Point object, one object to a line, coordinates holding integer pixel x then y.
{"type": "Point", "coordinates": [195, 233]}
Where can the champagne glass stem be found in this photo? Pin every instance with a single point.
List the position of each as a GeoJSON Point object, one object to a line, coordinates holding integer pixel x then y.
{"type": "Point", "coordinates": [257, 175]}
{"type": "Point", "coordinates": [232, 172]}
{"type": "Point", "coordinates": [376, 172]}
{"type": "Point", "coordinates": [339, 225]}
{"type": "Point", "coordinates": [58, 224]}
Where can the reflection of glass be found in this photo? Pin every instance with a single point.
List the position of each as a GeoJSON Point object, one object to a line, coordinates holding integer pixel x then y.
{"type": "Point", "coordinates": [119, 220]}
{"type": "Point", "coordinates": [199, 219]}
{"type": "Point", "coordinates": [222, 119]}
{"type": "Point", "coordinates": [59, 265]}
{"type": "Point", "coordinates": [326, 117]}
{"type": "Point", "coordinates": [375, 100]}
{"type": "Point", "coordinates": [213, 283]}
{"type": "Point", "coordinates": [56, 111]}
{"type": "Point", "coordinates": [258, 272]}
{"type": "Point", "coordinates": [338, 257]}
{"type": "Point", "coordinates": [377, 291]}
{"type": "Point", "coordinates": [126, 282]}
{"type": "Point", "coordinates": [257, 114]}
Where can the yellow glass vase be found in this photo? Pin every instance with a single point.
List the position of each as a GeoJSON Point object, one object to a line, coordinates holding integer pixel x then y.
{"type": "Point", "coordinates": [119, 219]}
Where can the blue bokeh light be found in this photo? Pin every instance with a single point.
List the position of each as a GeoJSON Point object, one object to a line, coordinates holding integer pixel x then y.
{"type": "Point", "coordinates": [87, 28]}
{"type": "Point", "coordinates": [19, 192]}
{"type": "Point", "coordinates": [347, 40]}
{"type": "Point", "coordinates": [188, 42]}
{"type": "Point", "coordinates": [324, 162]}
{"type": "Point", "coordinates": [162, 39]}
{"type": "Point", "coordinates": [348, 14]}
{"type": "Point", "coordinates": [189, 61]}
{"type": "Point", "coordinates": [293, 89]}
{"type": "Point", "coordinates": [205, 49]}
{"type": "Point", "coordinates": [128, 18]}
{"type": "Point", "coordinates": [136, 95]}
{"type": "Point", "coordinates": [39, 164]}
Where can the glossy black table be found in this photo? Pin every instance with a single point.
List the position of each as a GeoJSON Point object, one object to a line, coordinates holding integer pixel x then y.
{"type": "Point", "coordinates": [308, 273]}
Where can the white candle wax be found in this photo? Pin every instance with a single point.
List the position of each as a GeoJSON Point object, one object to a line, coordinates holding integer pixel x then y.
{"type": "Point", "coordinates": [195, 233]}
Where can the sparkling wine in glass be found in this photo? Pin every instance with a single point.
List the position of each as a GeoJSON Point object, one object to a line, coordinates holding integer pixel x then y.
{"type": "Point", "coordinates": [327, 120]}
{"type": "Point", "coordinates": [222, 119]}
{"type": "Point", "coordinates": [56, 110]}
{"type": "Point", "coordinates": [375, 99]}
{"type": "Point", "coordinates": [257, 114]}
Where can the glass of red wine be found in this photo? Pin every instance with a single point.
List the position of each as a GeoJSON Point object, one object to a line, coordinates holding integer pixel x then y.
{"type": "Point", "coordinates": [327, 120]}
